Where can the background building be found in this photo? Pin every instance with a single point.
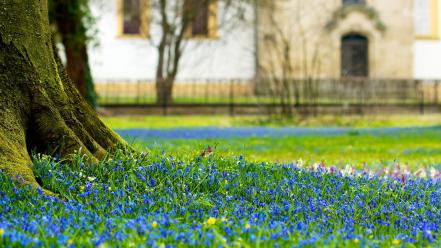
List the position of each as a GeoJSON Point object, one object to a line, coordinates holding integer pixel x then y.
{"type": "Point", "coordinates": [128, 34]}
{"type": "Point", "coordinates": [325, 39]}
{"type": "Point", "coordinates": [427, 46]}
{"type": "Point", "coordinates": [339, 38]}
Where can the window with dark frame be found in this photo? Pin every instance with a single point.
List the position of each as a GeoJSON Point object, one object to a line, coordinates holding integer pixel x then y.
{"type": "Point", "coordinates": [352, 2]}
{"type": "Point", "coordinates": [200, 21]}
{"type": "Point", "coordinates": [199, 16]}
{"type": "Point", "coordinates": [132, 17]}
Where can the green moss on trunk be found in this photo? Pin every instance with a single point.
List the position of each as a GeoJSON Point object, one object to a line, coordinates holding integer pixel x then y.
{"type": "Point", "coordinates": [40, 107]}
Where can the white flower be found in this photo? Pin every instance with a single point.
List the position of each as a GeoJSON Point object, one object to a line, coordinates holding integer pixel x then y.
{"type": "Point", "coordinates": [91, 179]}
{"type": "Point", "coordinates": [315, 166]}
{"type": "Point", "coordinates": [300, 163]}
{"type": "Point", "coordinates": [347, 171]}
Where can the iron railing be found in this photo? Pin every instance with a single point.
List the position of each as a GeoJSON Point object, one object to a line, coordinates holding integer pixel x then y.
{"type": "Point", "coordinates": [267, 94]}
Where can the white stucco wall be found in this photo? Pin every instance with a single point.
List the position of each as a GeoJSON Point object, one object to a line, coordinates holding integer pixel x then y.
{"type": "Point", "coordinates": [427, 56]}
{"type": "Point", "coordinates": [231, 56]}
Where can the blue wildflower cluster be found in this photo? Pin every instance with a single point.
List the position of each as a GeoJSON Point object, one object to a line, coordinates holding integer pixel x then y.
{"type": "Point", "coordinates": [154, 201]}
{"type": "Point", "coordinates": [242, 132]}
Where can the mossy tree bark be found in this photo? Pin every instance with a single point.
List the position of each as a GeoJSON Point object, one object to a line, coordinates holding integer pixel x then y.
{"type": "Point", "coordinates": [40, 108]}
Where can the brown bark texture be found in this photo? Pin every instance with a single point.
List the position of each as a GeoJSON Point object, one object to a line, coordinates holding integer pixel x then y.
{"type": "Point", "coordinates": [40, 108]}
{"type": "Point", "coordinates": [69, 22]}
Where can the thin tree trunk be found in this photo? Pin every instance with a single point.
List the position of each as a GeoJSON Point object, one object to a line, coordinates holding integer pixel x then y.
{"type": "Point", "coordinates": [40, 107]}
{"type": "Point", "coordinates": [74, 38]}
{"type": "Point", "coordinates": [164, 89]}
{"type": "Point", "coordinates": [76, 67]}
{"type": "Point", "coordinates": [169, 52]}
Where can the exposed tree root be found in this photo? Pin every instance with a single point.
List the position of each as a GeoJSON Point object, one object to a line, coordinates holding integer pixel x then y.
{"type": "Point", "coordinates": [40, 108]}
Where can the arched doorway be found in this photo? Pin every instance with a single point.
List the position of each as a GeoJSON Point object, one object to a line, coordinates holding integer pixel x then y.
{"type": "Point", "coordinates": [354, 56]}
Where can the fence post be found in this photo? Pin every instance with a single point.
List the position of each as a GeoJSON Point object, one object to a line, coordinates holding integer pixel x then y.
{"type": "Point", "coordinates": [117, 96]}
{"type": "Point", "coordinates": [231, 105]}
{"type": "Point", "coordinates": [107, 94]}
{"type": "Point", "coordinates": [421, 90]}
{"type": "Point", "coordinates": [138, 91]}
{"type": "Point", "coordinates": [206, 92]}
{"type": "Point", "coordinates": [437, 89]}
{"type": "Point", "coordinates": [314, 92]}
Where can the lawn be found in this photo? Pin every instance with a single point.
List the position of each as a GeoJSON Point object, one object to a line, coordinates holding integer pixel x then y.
{"type": "Point", "coordinates": [356, 121]}
{"type": "Point", "coordinates": [413, 141]}
{"type": "Point", "coordinates": [411, 150]}
{"type": "Point", "coordinates": [257, 186]}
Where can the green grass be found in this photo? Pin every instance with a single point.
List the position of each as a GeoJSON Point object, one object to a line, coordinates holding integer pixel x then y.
{"type": "Point", "coordinates": [224, 200]}
{"type": "Point", "coordinates": [234, 121]}
{"type": "Point", "coordinates": [414, 149]}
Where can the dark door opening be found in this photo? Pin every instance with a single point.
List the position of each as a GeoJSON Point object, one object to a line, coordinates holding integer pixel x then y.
{"type": "Point", "coordinates": [354, 56]}
{"type": "Point", "coordinates": [351, 2]}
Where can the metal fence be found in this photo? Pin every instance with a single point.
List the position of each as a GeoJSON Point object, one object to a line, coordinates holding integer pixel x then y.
{"type": "Point", "coordinates": [268, 96]}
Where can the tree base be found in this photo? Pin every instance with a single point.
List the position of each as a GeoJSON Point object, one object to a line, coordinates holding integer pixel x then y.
{"type": "Point", "coordinates": [40, 108]}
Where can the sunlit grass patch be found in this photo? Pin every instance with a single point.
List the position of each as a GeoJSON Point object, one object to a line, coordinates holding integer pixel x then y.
{"type": "Point", "coordinates": [414, 148]}
{"type": "Point", "coordinates": [367, 121]}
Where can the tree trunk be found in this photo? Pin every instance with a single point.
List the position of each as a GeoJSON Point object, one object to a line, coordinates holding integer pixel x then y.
{"type": "Point", "coordinates": [40, 108]}
{"type": "Point", "coordinates": [76, 67]}
{"type": "Point", "coordinates": [164, 89]}
{"type": "Point", "coordinates": [70, 26]}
